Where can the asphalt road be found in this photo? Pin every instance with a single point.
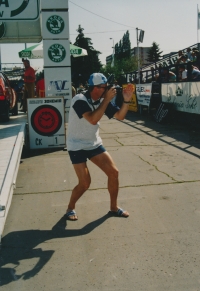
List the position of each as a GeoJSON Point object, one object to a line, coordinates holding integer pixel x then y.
{"type": "Point", "coordinates": [156, 248]}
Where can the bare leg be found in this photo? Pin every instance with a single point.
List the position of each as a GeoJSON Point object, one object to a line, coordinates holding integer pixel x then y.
{"type": "Point", "coordinates": [105, 162]}
{"type": "Point", "coordinates": [84, 181]}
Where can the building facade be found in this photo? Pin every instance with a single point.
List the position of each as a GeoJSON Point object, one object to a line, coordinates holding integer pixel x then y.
{"type": "Point", "coordinates": [143, 54]}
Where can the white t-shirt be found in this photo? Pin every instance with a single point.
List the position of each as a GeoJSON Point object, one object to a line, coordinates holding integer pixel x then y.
{"type": "Point", "coordinates": [82, 135]}
{"type": "Point", "coordinates": [184, 74]}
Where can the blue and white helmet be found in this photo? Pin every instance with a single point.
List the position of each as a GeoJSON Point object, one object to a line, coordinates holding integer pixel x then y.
{"type": "Point", "coordinates": [97, 79]}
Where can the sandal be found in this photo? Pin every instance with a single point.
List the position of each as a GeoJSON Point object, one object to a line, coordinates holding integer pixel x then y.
{"type": "Point", "coordinates": [71, 213]}
{"type": "Point", "coordinates": [120, 213]}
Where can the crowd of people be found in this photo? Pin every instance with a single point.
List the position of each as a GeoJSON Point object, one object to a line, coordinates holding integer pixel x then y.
{"type": "Point", "coordinates": [186, 68]}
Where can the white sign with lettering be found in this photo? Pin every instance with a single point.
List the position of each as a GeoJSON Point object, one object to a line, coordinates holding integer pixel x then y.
{"type": "Point", "coordinates": [143, 93]}
{"type": "Point", "coordinates": [46, 122]}
{"type": "Point", "coordinates": [184, 96]}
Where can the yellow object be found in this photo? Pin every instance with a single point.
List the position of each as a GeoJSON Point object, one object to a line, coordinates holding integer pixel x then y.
{"type": "Point", "coordinates": [133, 105]}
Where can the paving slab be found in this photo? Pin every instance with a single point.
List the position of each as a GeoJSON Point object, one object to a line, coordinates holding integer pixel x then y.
{"type": "Point", "coordinates": [156, 248]}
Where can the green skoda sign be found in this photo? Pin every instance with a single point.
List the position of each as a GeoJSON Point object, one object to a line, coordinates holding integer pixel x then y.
{"type": "Point", "coordinates": [56, 53]}
{"type": "Point", "coordinates": [19, 10]}
{"type": "Point", "coordinates": [55, 24]}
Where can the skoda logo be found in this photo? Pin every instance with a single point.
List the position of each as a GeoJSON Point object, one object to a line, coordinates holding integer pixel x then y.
{"type": "Point", "coordinates": [57, 53]}
{"type": "Point", "coordinates": [55, 24]}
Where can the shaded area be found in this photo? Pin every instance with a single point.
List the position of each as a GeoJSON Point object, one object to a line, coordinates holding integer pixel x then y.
{"type": "Point", "coordinates": [21, 245]}
{"type": "Point", "coordinates": [178, 129]}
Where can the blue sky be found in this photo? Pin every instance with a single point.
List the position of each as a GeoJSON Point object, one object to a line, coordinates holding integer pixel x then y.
{"type": "Point", "coordinates": [172, 24]}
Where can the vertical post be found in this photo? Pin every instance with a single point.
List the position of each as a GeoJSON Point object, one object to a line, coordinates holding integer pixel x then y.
{"type": "Point", "coordinates": [56, 50]}
{"type": "Point", "coordinates": [197, 25]}
{"type": "Point", "coordinates": [138, 56]}
{"type": "Point", "coordinates": [113, 54]}
{"type": "Point", "coordinates": [140, 107]}
{"type": "Point", "coordinates": [0, 57]}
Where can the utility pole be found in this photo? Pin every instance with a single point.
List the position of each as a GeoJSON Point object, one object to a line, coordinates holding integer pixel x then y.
{"type": "Point", "coordinates": [138, 53]}
{"type": "Point", "coordinates": [113, 54]}
{"type": "Point", "coordinates": [139, 39]}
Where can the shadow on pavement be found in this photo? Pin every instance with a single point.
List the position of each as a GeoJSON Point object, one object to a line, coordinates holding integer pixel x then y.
{"type": "Point", "coordinates": [29, 153]}
{"type": "Point", "coordinates": [175, 129]}
{"type": "Point", "coordinates": [21, 245]}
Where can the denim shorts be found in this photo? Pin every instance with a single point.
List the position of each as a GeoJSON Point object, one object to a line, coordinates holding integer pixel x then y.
{"type": "Point", "coordinates": [81, 156]}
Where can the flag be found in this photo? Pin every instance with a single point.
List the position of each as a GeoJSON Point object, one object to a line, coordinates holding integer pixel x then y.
{"type": "Point", "coordinates": [198, 18]}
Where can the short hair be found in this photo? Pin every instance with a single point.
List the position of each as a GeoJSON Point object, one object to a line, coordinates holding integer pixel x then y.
{"type": "Point", "coordinates": [25, 61]}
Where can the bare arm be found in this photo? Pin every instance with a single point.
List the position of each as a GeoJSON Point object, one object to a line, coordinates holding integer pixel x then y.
{"type": "Point", "coordinates": [127, 94]}
{"type": "Point", "coordinates": [94, 116]}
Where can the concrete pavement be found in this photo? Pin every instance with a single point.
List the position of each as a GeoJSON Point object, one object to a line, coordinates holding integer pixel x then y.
{"type": "Point", "coordinates": [156, 248]}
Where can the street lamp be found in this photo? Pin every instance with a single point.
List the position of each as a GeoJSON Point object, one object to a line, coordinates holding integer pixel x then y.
{"type": "Point", "coordinates": [113, 54]}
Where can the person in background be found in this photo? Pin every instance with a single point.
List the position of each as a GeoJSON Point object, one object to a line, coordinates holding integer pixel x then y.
{"type": "Point", "coordinates": [195, 74]}
{"type": "Point", "coordinates": [73, 91]}
{"type": "Point", "coordinates": [40, 86]}
{"type": "Point", "coordinates": [197, 58]}
{"type": "Point", "coordinates": [29, 83]}
{"type": "Point", "coordinates": [169, 76]}
{"type": "Point", "coordinates": [189, 54]}
{"type": "Point", "coordinates": [180, 54]}
{"type": "Point", "coordinates": [183, 73]}
{"type": "Point", "coordinates": [184, 59]}
{"type": "Point", "coordinates": [194, 56]}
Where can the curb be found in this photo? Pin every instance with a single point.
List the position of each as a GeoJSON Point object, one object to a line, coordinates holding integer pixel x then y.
{"type": "Point", "coordinates": [10, 178]}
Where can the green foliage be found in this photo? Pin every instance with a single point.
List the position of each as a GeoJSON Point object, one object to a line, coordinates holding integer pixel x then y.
{"type": "Point", "coordinates": [154, 53]}
{"type": "Point", "coordinates": [83, 67]}
{"type": "Point", "coordinates": [123, 48]}
{"type": "Point", "coordinates": [123, 62]}
{"type": "Point", "coordinates": [125, 65]}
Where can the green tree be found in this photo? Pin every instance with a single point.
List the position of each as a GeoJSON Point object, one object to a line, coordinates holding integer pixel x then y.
{"type": "Point", "coordinates": [125, 65]}
{"type": "Point", "coordinates": [126, 46]}
{"type": "Point", "coordinates": [154, 53]}
{"type": "Point", "coordinates": [123, 48]}
{"type": "Point", "coordinates": [83, 67]}
{"type": "Point", "coordinates": [123, 60]}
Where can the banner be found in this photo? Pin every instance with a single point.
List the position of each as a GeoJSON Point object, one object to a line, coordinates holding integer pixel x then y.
{"type": "Point", "coordinates": [143, 92]}
{"type": "Point", "coordinates": [185, 96]}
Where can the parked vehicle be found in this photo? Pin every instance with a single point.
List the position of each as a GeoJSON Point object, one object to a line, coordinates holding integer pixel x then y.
{"type": "Point", "coordinates": [8, 99]}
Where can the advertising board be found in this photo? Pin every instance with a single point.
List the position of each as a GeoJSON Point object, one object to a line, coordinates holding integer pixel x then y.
{"type": "Point", "coordinates": [143, 92]}
{"type": "Point", "coordinates": [46, 122]}
{"type": "Point", "coordinates": [184, 96]}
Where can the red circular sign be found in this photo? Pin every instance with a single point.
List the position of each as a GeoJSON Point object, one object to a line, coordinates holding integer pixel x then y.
{"type": "Point", "coordinates": [46, 120]}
